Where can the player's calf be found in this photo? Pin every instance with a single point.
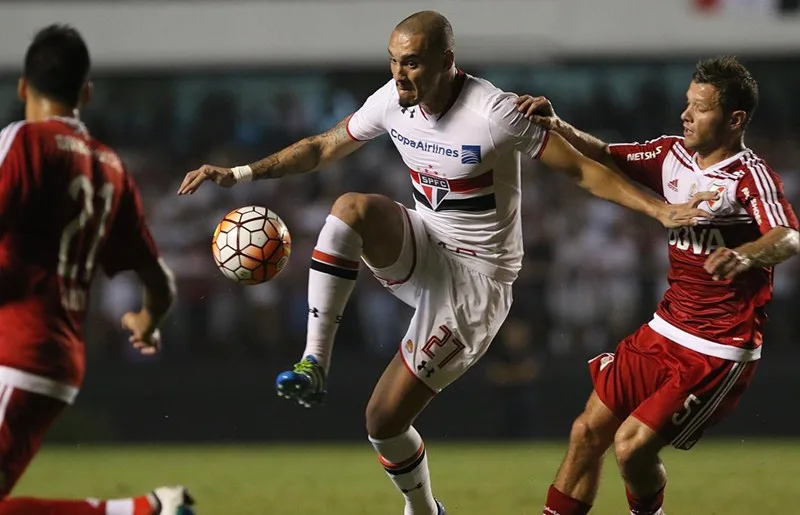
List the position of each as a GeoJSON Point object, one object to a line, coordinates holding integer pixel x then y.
{"type": "Point", "coordinates": [397, 400]}
{"type": "Point", "coordinates": [636, 447]}
{"type": "Point", "coordinates": [359, 225]}
{"type": "Point", "coordinates": [574, 490]}
{"type": "Point", "coordinates": [166, 500]}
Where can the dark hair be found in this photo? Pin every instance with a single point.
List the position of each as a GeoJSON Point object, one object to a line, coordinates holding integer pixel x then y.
{"type": "Point", "coordinates": [57, 64]}
{"type": "Point", "coordinates": [738, 90]}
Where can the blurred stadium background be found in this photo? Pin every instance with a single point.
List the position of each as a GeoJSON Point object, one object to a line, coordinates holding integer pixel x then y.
{"type": "Point", "coordinates": [181, 83]}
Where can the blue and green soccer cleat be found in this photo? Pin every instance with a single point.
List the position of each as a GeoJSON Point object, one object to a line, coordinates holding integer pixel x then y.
{"type": "Point", "coordinates": [304, 383]}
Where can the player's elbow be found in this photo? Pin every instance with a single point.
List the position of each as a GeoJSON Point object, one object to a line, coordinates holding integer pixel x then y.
{"type": "Point", "coordinates": [793, 241]}
{"type": "Point", "coordinates": [160, 287]}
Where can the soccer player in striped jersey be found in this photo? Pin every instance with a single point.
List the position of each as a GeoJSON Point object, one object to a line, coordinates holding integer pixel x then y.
{"type": "Point", "coordinates": [453, 257]}
{"type": "Point", "coordinates": [688, 367]}
{"type": "Point", "coordinates": [68, 209]}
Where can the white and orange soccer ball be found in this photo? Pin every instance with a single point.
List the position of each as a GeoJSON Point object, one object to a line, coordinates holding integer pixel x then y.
{"type": "Point", "coordinates": [251, 245]}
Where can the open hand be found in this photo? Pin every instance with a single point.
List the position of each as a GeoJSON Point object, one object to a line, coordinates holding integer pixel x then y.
{"type": "Point", "coordinates": [725, 263]}
{"type": "Point", "coordinates": [222, 176]}
{"type": "Point", "coordinates": [539, 110]}
{"type": "Point", "coordinates": [145, 338]}
{"type": "Point", "coordinates": [687, 214]}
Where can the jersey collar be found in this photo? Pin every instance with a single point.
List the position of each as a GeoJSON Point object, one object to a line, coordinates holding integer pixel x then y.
{"type": "Point", "coordinates": [73, 123]}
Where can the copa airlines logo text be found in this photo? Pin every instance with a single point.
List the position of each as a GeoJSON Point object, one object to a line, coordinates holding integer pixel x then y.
{"type": "Point", "coordinates": [643, 156]}
{"type": "Point", "coordinates": [425, 146]}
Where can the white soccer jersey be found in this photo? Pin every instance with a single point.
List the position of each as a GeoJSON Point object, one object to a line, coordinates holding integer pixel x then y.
{"type": "Point", "coordinates": [464, 166]}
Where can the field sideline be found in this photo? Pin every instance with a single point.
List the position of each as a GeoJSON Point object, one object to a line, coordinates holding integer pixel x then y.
{"type": "Point", "coordinates": [718, 477]}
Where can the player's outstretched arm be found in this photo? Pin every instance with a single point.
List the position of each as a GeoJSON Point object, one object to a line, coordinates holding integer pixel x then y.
{"type": "Point", "coordinates": [159, 294]}
{"type": "Point", "coordinates": [607, 184]}
{"type": "Point", "coordinates": [307, 155]}
{"type": "Point", "coordinates": [540, 111]}
{"type": "Point", "coordinates": [774, 247]}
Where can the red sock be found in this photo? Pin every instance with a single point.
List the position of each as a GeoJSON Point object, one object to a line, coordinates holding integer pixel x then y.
{"type": "Point", "coordinates": [29, 506]}
{"type": "Point", "coordinates": [561, 504]}
{"type": "Point", "coordinates": [645, 505]}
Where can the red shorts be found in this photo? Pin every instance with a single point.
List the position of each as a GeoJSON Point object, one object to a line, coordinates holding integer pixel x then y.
{"type": "Point", "coordinates": [25, 418]}
{"type": "Point", "coordinates": [675, 391]}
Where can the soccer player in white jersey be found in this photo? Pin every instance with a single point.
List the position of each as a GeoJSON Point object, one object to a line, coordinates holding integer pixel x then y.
{"type": "Point", "coordinates": [687, 368]}
{"type": "Point", "coordinates": [454, 257]}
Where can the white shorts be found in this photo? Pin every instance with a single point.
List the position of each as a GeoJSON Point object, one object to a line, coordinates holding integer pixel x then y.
{"type": "Point", "coordinates": [458, 310]}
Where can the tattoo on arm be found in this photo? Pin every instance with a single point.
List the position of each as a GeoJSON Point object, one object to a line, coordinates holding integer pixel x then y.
{"type": "Point", "coordinates": [304, 156]}
{"type": "Point", "coordinates": [773, 248]}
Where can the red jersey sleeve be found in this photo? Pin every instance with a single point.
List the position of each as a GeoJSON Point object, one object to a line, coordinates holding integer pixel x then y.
{"type": "Point", "coordinates": [13, 184]}
{"type": "Point", "coordinates": [760, 191]}
{"type": "Point", "coordinates": [129, 246]}
{"type": "Point", "coordinates": [642, 162]}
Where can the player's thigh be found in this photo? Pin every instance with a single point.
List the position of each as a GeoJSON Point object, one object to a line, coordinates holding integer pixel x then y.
{"type": "Point", "coordinates": [703, 393]}
{"type": "Point", "coordinates": [396, 401]}
{"type": "Point", "coordinates": [626, 378]}
{"type": "Point", "coordinates": [407, 276]}
{"type": "Point", "coordinates": [25, 418]}
{"type": "Point", "coordinates": [379, 221]}
{"type": "Point", "coordinates": [459, 312]}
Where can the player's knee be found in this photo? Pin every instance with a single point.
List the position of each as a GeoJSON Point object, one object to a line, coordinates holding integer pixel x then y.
{"type": "Point", "coordinates": [353, 209]}
{"type": "Point", "coordinates": [631, 448]}
{"type": "Point", "coordinates": [383, 422]}
{"type": "Point", "coordinates": [587, 438]}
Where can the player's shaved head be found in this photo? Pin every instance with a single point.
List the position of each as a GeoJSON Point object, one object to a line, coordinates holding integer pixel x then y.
{"type": "Point", "coordinates": [422, 59]}
{"type": "Point", "coordinates": [433, 27]}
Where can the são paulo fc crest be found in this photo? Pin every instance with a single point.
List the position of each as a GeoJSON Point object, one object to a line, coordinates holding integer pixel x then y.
{"type": "Point", "coordinates": [435, 189]}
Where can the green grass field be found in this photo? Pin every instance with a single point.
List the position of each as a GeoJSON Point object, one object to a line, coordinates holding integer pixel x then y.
{"type": "Point", "coordinates": [726, 478]}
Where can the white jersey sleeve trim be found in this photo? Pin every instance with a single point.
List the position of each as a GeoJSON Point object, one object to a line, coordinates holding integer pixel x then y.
{"type": "Point", "coordinates": [33, 383]}
{"type": "Point", "coordinates": [7, 137]}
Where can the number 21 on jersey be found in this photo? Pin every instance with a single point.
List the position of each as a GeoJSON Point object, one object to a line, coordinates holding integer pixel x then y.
{"type": "Point", "coordinates": [80, 240]}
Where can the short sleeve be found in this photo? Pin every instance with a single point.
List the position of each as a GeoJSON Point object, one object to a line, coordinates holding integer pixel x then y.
{"type": "Point", "coordinates": [642, 162]}
{"type": "Point", "coordinates": [12, 174]}
{"type": "Point", "coordinates": [368, 122]}
{"type": "Point", "coordinates": [760, 191]}
{"type": "Point", "coordinates": [129, 246]}
{"type": "Point", "coordinates": [508, 125]}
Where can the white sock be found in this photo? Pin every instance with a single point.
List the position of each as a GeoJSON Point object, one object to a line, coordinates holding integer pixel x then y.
{"type": "Point", "coordinates": [405, 461]}
{"type": "Point", "coordinates": [126, 506]}
{"type": "Point", "coordinates": [334, 266]}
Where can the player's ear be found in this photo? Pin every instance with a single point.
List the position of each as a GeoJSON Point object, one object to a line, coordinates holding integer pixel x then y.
{"type": "Point", "coordinates": [22, 89]}
{"type": "Point", "coordinates": [449, 59]}
{"type": "Point", "coordinates": [738, 119]}
{"type": "Point", "coordinates": [86, 94]}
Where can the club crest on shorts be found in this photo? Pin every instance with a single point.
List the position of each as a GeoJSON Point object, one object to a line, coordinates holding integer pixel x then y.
{"type": "Point", "coordinates": [435, 189]}
{"type": "Point", "coordinates": [409, 346]}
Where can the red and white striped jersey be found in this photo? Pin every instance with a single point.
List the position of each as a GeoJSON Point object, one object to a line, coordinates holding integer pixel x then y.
{"type": "Point", "coordinates": [465, 167]}
{"type": "Point", "coordinates": [718, 318]}
{"type": "Point", "coordinates": [67, 209]}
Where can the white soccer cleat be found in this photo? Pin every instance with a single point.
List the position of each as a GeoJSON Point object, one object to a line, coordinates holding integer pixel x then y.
{"type": "Point", "coordinates": [173, 500]}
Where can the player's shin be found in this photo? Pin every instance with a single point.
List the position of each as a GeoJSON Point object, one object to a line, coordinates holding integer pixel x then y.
{"type": "Point", "coordinates": [334, 267]}
{"type": "Point", "coordinates": [644, 486]}
{"type": "Point", "coordinates": [650, 504]}
{"type": "Point", "coordinates": [406, 462]}
{"type": "Point", "coordinates": [143, 505]}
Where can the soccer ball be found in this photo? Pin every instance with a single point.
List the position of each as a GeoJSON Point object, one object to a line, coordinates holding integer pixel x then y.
{"type": "Point", "coordinates": [251, 245]}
